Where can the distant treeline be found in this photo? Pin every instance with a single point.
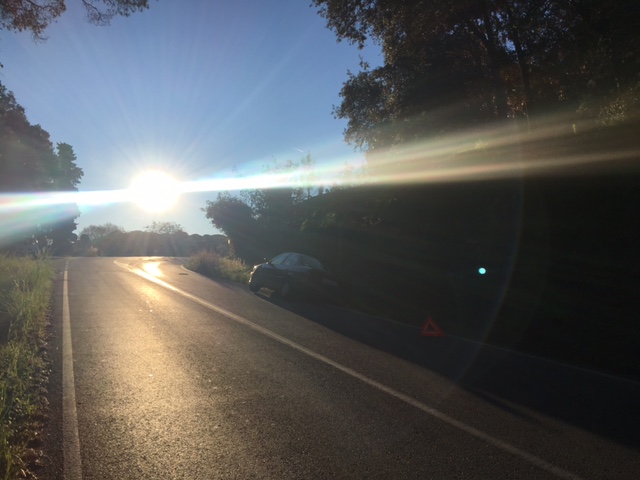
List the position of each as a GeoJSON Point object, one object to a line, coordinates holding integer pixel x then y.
{"type": "Point", "coordinates": [139, 243]}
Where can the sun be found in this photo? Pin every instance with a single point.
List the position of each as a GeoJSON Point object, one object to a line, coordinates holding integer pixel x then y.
{"type": "Point", "coordinates": [155, 191]}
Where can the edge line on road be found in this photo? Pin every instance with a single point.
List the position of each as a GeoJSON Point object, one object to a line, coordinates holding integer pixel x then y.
{"type": "Point", "coordinates": [70, 438]}
{"type": "Point", "coordinates": [534, 460]}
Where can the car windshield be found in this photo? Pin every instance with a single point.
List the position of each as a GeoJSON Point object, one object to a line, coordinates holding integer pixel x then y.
{"type": "Point", "coordinates": [279, 259]}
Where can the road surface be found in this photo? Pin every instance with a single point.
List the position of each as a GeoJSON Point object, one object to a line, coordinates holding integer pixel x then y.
{"type": "Point", "coordinates": [160, 373]}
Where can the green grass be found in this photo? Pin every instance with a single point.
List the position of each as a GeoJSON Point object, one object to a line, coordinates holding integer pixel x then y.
{"type": "Point", "coordinates": [25, 295]}
{"type": "Point", "coordinates": [213, 265]}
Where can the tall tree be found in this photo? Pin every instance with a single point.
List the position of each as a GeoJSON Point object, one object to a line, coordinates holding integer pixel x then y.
{"type": "Point", "coordinates": [29, 164]}
{"type": "Point", "coordinates": [453, 64]}
{"type": "Point", "coordinates": [24, 148]}
{"type": "Point", "coordinates": [65, 174]}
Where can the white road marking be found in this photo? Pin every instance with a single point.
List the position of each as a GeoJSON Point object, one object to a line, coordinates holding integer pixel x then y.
{"type": "Point", "coordinates": [534, 460]}
{"type": "Point", "coordinates": [70, 441]}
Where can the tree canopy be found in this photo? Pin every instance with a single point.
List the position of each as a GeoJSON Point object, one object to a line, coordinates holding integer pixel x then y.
{"type": "Point", "coordinates": [457, 64]}
{"type": "Point", "coordinates": [96, 232]}
{"type": "Point", "coordinates": [28, 161]}
{"type": "Point", "coordinates": [30, 164]}
{"type": "Point", "coordinates": [260, 221]}
{"type": "Point", "coordinates": [170, 228]}
{"type": "Point", "coordinates": [36, 16]}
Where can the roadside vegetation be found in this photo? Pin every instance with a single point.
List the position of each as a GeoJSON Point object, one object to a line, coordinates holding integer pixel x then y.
{"type": "Point", "coordinates": [25, 294]}
{"type": "Point", "coordinates": [158, 239]}
{"type": "Point", "coordinates": [499, 194]}
{"type": "Point", "coordinates": [214, 265]}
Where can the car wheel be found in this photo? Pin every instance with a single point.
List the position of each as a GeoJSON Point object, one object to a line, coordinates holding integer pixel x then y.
{"type": "Point", "coordinates": [286, 290]}
{"type": "Point", "coordinates": [254, 286]}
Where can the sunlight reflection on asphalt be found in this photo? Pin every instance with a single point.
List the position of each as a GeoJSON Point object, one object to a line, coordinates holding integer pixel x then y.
{"type": "Point", "coordinates": [152, 268]}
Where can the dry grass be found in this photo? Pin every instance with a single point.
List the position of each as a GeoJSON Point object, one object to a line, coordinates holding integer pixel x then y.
{"type": "Point", "coordinates": [25, 294]}
{"type": "Point", "coordinates": [213, 265]}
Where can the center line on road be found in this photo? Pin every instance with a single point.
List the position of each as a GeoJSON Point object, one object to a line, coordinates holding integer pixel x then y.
{"type": "Point", "coordinates": [507, 447]}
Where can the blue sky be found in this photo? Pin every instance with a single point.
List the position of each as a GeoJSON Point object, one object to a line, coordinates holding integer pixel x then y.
{"type": "Point", "coordinates": [191, 88]}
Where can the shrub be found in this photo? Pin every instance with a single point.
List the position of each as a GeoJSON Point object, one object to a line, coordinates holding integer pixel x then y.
{"type": "Point", "coordinates": [213, 265]}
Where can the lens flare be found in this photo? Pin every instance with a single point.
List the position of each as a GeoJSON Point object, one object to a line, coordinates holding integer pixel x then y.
{"type": "Point", "coordinates": [477, 155]}
{"type": "Point", "coordinates": [155, 191]}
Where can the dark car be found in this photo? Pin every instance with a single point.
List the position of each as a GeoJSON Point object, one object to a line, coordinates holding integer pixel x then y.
{"type": "Point", "coordinates": [293, 273]}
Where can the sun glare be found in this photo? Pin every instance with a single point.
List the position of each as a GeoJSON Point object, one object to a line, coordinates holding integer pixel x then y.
{"type": "Point", "coordinates": [155, 191]}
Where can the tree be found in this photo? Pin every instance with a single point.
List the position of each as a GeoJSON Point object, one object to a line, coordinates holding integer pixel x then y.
{"type": "Point", "coordinates": [169, 228]}
{"type": "Point", "coordinates": [275, 208]}
{"type": "Point", "coordinates": [60, 230]}
{"type": "Point", "coordinates": [29, 163]}
{"type": "Point", "coordinates": [264, 221]}
{"type": "Point", "coordinates": [36, 16]}
{"type": "Point", "coordinates": [457, 64]}
{"type": "Point", "coordinates": [84, 242]}
{"type": "Point", "coordinates": [229, 214]}
{"type": "Point", "coordinates": [25, 149]}
{"type": "Point", "coordinates": [442, 68]}
{"type": "Point", "coordinates": [62, 174]}
{"type": "Point", "coordinates": [235, 218]}
{"type": "Point", "coordinates": [96, 232]}
{"type": "Point", "coordinates": [65, 174]}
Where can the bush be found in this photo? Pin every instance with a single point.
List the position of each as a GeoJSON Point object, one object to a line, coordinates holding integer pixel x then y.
{"type": "Point", "coordinates": [213, 265]}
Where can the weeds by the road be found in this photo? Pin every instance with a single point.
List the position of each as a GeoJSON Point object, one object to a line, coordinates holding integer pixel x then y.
{"type": "Point", "coordinates": [25, 294]}
{"type": "Point", "coordinates": [213, 265]}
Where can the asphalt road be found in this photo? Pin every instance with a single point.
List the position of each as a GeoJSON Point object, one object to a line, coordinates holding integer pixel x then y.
{"type": "Point", "coordinates": [191, 378]}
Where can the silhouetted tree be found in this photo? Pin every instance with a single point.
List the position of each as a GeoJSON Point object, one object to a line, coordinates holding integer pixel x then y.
{"type": "Point", "coordinates": [164, 228]}
{"type": "Point", "coordinates": [29, 163]}
{"type": "Point", "coordinates": [264, 221]}
{"type": "Point", "coordinates": [232, 216]}
{"type": "Point", "coordinates": [462, 63]}
{"type": "Point", "coordinates": [95, 232]}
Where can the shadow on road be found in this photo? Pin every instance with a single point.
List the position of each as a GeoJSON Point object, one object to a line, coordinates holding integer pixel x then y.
{"type": "Point", "coordinates": [594, 402]}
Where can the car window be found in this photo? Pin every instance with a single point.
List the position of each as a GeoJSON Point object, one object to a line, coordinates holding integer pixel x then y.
{"type": "Point", "coordinates": [292, 260]}
{"type": "Point", "coordinates": [277, 260]}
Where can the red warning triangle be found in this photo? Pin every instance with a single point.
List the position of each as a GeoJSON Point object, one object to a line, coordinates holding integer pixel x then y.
{"type": "Point", "coordinates": [431, 329]}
